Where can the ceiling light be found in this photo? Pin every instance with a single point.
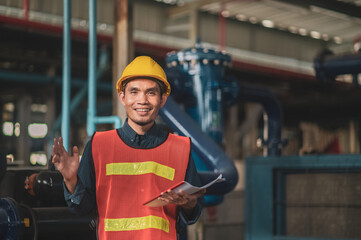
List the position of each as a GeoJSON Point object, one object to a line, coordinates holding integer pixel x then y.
{"type": "Point", "coordinates": [302, 31]}
{"type": "Point", "coordinates": [315, 34]}
{"type": "Point", "coordinates": [337, 40]}
{"type": "Point", "coordinates": [292, 29]}
{"type": "Point", "coordinates": [253, 20]}
{"type": "Point", "coordinates": [225, 13]}
{"type": "Point", "coordinates": [241, 17]}
{"type": "Point", "coordinates": [268, 23]}
{"type": "Point", "coordinates": [325, 37]}
{"type": "Point", "coordinates": [281, 27]}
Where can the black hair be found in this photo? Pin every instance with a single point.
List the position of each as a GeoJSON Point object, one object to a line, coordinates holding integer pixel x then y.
{"type": "Point", "coordinates": [162, 86]}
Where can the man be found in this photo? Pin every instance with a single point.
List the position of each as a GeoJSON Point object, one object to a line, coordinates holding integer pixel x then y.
{"type": "Point", "coordinates": [122, 169]}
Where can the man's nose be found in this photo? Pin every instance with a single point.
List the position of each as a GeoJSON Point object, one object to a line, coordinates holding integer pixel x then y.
{"type": "Point", "coordinates": [142, 98]}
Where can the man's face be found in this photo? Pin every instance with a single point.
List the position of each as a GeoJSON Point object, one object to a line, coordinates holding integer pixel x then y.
{"type": "Point", "coordinates": [142, 100]}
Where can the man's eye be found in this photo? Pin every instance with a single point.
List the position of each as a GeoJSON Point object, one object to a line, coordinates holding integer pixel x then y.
{"type": "Point", "coordinates": [133, 92]}
{"type": "Point", "coordinates": [151, 93]}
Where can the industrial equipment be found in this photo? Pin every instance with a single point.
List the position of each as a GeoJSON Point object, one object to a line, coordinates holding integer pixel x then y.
{"type": "Point", "coordinates": [197, 77]}
{"type": "Point", "coordinates": [306, 197]}
{"type": "Point", "coordinates": [32, 206]}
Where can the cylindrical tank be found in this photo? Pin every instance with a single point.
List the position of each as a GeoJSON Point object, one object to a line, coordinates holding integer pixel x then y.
{"type": "Point", "coordinates": [204, 70]}
{"type": "Point", "coordinates": [197, 77]}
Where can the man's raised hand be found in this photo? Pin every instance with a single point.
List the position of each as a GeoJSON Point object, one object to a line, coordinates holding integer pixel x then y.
{"type": "Point", "coordinates": [66, 164]}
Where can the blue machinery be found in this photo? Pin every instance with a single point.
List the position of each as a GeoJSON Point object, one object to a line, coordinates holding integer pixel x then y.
{"type": "Point", "coordinates": [267, 209]}
{"type": "Point", "coordinates": [196, 75]}
{"type": "Point", "coordinates": [198, 81]}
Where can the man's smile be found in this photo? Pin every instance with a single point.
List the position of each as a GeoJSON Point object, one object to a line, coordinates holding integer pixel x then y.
{"type": "Point", "coordinates": [142, 109]}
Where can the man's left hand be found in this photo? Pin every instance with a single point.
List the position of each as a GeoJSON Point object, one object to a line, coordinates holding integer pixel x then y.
{"type": "Point", "coordinates": [182, 199]}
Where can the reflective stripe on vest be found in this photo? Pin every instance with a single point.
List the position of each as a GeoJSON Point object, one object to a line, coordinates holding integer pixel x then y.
{"type": "Point", "coordinates": [138, 168]}
{"type": "Point", "coordinates": [139, 223]}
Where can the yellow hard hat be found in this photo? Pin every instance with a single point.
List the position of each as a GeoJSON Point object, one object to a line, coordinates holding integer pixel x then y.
{"type": "Point", "coordinates": [143, 66]}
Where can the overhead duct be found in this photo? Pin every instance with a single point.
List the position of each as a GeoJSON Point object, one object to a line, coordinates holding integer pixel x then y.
{"type": "Point", "coordinates": [327, 65]}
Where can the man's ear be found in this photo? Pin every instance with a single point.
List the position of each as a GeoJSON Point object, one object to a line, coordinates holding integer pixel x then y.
{"type": "Point", "coordinates": [121, 97]}
{"type": "Point", "coordinates": [164, 100]}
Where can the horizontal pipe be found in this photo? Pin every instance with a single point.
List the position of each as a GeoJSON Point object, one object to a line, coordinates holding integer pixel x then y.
{"type": "Point", "coordinates": [327, 65]}
{"type": "Point", "coordinates": [108, 119]}
{"type": "Point", "coordinates": [8, 76]}
{"type": "Point", "coordinates": [212, 155]}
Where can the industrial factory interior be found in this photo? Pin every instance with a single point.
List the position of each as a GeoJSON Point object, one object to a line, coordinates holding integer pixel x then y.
{"type": "Point", "coordinates": [268, 91]}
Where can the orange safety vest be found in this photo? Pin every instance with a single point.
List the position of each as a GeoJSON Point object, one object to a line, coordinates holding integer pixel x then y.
{"type": "Point", "coordinates": [127, 177]}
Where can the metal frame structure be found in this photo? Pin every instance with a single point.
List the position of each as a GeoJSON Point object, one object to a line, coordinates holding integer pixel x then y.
{"type": "Point", "coordinates": [265, 179]}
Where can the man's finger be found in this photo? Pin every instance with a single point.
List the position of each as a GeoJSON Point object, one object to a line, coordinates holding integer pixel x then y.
{"type": "Point", "coordinates": [55, 159]}
{"type": "Point", "coordinates": [62, 148]}
{"type": "Point", "coordinates": [200, 193]}
{"type": "Point", "coordinates": [76, 152]}
{"type": "Point", "coordinates": [165, 197]}
{"type": "Point", "coordinates": [55, 145]}
{"type": "Point", "coordinates": [172, 194]}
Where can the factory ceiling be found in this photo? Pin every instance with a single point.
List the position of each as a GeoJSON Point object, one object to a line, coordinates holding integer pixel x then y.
{"type": "Point", "coordinates": [337, 21]}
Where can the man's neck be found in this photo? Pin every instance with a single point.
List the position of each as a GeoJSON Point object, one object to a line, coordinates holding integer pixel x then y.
{"type": "Point", "coordinates": [140, 129]}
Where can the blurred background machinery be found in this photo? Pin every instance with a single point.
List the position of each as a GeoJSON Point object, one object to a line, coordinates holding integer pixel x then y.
{"type": "Point", "coordinates": [270, 98]}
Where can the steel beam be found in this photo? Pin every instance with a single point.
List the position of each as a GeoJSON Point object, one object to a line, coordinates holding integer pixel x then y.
{"type": "Point", "coordinates": [336, 6]}
{"type": "Point", "coordinates": [123, 49]}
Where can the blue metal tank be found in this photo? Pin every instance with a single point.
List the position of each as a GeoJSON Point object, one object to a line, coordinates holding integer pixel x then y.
{"type": "Point", "coordinates": [197, 78]}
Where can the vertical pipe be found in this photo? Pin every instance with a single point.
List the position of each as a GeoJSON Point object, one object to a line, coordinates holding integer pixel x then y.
{"type": "Point", "coordinates": [92, 68]}
{"type": "Point", "coordinates": [26, 9]}
{"type": "Point", "coordinates": [66, 73]}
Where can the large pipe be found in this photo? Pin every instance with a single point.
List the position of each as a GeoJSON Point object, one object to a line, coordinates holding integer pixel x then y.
{"type": "Point", "coordinates": [92, 67]}
{"type": "Point", "coordinates": [92, 119]}
{"type": "Point", "coordinates": [274, 112]}
{"type": "Point", "coordinates": [27, 78]}
{"type": "Point", "coordinates": [327, 65]}
{"type": "Point", "coordinates": [65, 123]}
{"type": "Point", "coordinates": [212, 155]}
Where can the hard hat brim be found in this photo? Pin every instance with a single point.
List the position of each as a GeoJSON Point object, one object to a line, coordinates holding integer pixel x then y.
{"type": "Point", "coordinates": [128, 78]}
